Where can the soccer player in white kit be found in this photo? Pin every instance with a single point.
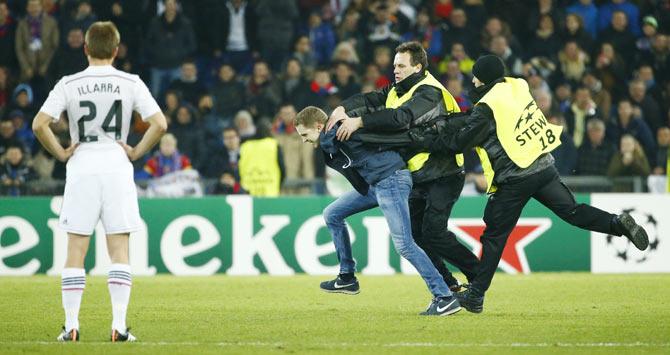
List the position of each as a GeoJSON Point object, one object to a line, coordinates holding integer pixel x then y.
{"type": "Point", "coordinates": [99, 185]}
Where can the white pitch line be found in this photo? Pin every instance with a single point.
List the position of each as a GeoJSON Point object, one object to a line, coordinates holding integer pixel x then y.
{"type": "Point", "coordinates": [387, 345]}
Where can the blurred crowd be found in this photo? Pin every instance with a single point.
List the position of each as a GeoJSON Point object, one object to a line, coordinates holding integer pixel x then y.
{"type": "Point", "coordinates": [228, 72]}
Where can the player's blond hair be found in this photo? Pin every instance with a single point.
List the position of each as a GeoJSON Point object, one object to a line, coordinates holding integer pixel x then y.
{"type": "Point", "coordinates": [102, 38]}
{"type": "Point", "coordinates": [310, 116]}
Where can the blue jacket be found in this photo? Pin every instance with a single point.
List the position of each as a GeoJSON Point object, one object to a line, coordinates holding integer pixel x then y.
{"type": "Point", "coordinates": [361, 164]}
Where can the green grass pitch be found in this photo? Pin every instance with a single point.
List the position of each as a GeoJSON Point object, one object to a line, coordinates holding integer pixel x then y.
{"type": "Point", "coordinates": [541, 313]}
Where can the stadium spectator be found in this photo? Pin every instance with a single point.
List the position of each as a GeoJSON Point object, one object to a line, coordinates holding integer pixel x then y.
{"type": "Point", "coordinates": [545, 42]}
{"type": "Point", "coordinates": [653, 87]}
{"type": "Point", "coordinates": [498, 45]}
{"type": "Point", "coordinates": [455, 88]}
{"type": "Point", "coordinates": [611, 70]}
{"type": "Point", "coordinates": [495, 27]}
{"type": "Point", "coordinates": [565, 155]}
{"type": "Point", "coordinates": [345, 80]}
{"type": "Point", "coordinates": [225, 155]}
{"type": "Point", "coordinates": [8, 137]}
{"type": "Point", "coordinates": [573, 62]}
{"type": "Point", "coordinates": [349, 31]}
{"type": "Point", "coordinates": [23, 129]}
{"type": "Point", "coordinates": [588, 13]}
{"type": "Point", "coordinates": [563, 96]}
{"type": "Point", "coordinates": [292, 82]}
{"type": "Point", "coordinates": [594, 155]}
{"type": "Point", "coordinates": [69, 59]}
{"type": "Point", "coordinates": [320, 89]}
{"type": "Point", "coordinates": [649, 31]}
{"type": "Point", "coordinates": [663, 141]}
{"type": "Point", "coordinates": [600, 96]}
{"type": "Point", "coordinates": [539, 11]}
{"type": "Point", "coordinates": [235, 35]}
{"type": "Point", "coordinates": [620, 37]}
{"type": "Point", "coordinates": [583, 108]}
{"type": "Point", "coordinates": [81, 18]}
{"type": "Point", "coordinates": [24, 101]}
{"type": "Point", "coordinates": [188, 85]}
{"type": "Point", "coordinates": [275, 29]}
{"type": "Point", "coordinates": [302, 51]}
{"type": "Point", "coordinates": [645, 106]}
{"type": "Point", "coordinates": [15, 172]}
{"type": "Point", "coordinates": [607, 12]}
{"type": "Point", "coordinates": [36, 42]}
{"type": "Point", "coordinates": [263, 96]}
{"type": "Point", "coordinates": [6, 89]}
{"type": "Point", "coordinates": [228, 94]}
{"type": "Point", "coordinates": [457, 53]}
{"type": "Point", "coordinates": [244, 124]}
{"type": "Point", "coordinates": [627, 123]}
{"type": "Point", "coordinates": [459, 31]}
{"type": "Point", "coordinates": [345, 52]}
{"type": "Point", "coordinates": [190, 135]}
{"type": "Point", "coordinates": [7, 38]}
{"type": "Point", "coordinates": [298, 157]}
{"type": "Point", "coordinates": [322, 38]}
{"type": "Point", "coordinates": [170, 40]}
{"type": "Point", "coordinates": [428, 34]}
{"type": "Point", "coordinates": [261, 163]}
{"type": "Point", "coordinates": [384, 28]}
{"type": "Point", "coordinates": [630, 160]}
{"type": "Point", "coordinates": [211, 122]}
{"type": "Point", "coordinates": [574, 31]}
{"type": "Point", "coordinates": [166, 160]}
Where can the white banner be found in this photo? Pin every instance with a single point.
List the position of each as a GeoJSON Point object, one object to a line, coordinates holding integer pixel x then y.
{"type": "Point", "coordinates": [611, 254]}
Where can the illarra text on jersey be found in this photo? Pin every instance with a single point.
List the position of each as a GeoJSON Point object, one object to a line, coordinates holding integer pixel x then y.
{"type": "Point", "coordinates": [98, 88]}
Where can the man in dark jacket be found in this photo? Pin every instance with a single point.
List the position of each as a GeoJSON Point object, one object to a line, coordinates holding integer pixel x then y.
{"type": "Point", "coordinates": [415, 98]}
{"type": "Point", "coordinates": [514, 139]}
{"type": "Point", "coordinates": [170, 40]}
{"type": "Point", "coordinates": [381, 179]}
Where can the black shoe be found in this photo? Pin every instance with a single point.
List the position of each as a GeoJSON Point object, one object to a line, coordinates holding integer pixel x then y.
{"type": "Point", "coordinates": [72, 335]}
{"type": "Point", "coordinates": [122, 337]}
{"type": "Point", "coordinates": [470, 301]}
{"type": "Point", "coordinates": [442, 306]}
{"type": "Point", "coordinates": [338, 285]}
{"type": "Point", "coordinates": [633, 231]}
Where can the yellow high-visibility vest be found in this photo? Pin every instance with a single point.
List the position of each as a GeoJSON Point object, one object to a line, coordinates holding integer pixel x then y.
{"type": "Point", "coordinates": [523, 131]}
{"type": "Point", "coordinates": [259, 169]}
{"type": "Point", "coordinates": [393, 101]}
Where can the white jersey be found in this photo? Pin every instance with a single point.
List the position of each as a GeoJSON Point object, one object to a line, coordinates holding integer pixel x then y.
{"type": "Point", "coordinates": [99, 102]}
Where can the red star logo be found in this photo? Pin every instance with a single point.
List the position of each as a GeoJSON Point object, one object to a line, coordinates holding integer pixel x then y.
{"type": "Point", "coordinates": [513, 260]}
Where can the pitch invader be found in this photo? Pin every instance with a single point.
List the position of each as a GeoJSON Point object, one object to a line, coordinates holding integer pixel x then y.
{"type": "Point", "coordinates": [99, 102]}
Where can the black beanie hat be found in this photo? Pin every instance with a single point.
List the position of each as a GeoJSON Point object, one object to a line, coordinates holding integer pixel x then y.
{"type": "Point", "coordinates": [488, 68]}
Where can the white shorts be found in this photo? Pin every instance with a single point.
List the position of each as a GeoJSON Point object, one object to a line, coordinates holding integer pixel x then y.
{"type": "Point", "coordinates": [92, 196]}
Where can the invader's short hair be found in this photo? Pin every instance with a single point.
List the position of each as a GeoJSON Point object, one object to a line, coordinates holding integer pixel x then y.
{"type": "Point", "coordinates": [310, 116]}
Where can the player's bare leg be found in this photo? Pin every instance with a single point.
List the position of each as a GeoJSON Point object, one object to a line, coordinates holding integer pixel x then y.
{"type": "Point", "coordinates": [73, 281]}
{"type": "Point", "coordinates": [119, 284]}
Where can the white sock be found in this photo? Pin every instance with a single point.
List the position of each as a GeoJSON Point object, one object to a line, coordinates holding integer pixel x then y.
{"type": "Point", "coordinates": [119, 283]}
{"type": "Point", "coordinates": [73, 282]}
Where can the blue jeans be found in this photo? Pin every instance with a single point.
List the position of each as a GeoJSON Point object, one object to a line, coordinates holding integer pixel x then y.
{"type": "Point", "coordinates": [391, 195]}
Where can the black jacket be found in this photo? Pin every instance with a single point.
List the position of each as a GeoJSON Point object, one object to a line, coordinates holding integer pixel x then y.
{"type": "Point", "coordinates": [360, 163]}
{"type": "Point", "coordinates": [478, 129]}
{"type": "Point", "coordinates": [424, 106]}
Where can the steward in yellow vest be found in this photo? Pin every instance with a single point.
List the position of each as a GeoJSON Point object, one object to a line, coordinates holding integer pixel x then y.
{"type": "Point", "coordinates": [514, 141]}
{"type": "Point", "coordinates": [261, 166]}
{"type": "Point", "coordinates": [414, 99]}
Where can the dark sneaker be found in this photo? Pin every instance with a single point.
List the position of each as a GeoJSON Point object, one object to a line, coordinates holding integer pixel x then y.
{"type": "Point", "coordinates": [442, 306]}
{"type": "Point", "coordinates": [470, 301]}
{"type": "Point", "coordinates": [633, 231]}
{"type": "Point", "coordinates": [122, 337]}
{"type": "Point", "coordinates": [338, 285]}
{"type": "Point", "coordinates": [72, 335]}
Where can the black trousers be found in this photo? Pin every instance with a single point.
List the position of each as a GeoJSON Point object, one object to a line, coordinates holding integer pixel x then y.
{"type": "Point", "coordinates": [504, 208]}
{"type": "Point", "coordinates": [430, 206]}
